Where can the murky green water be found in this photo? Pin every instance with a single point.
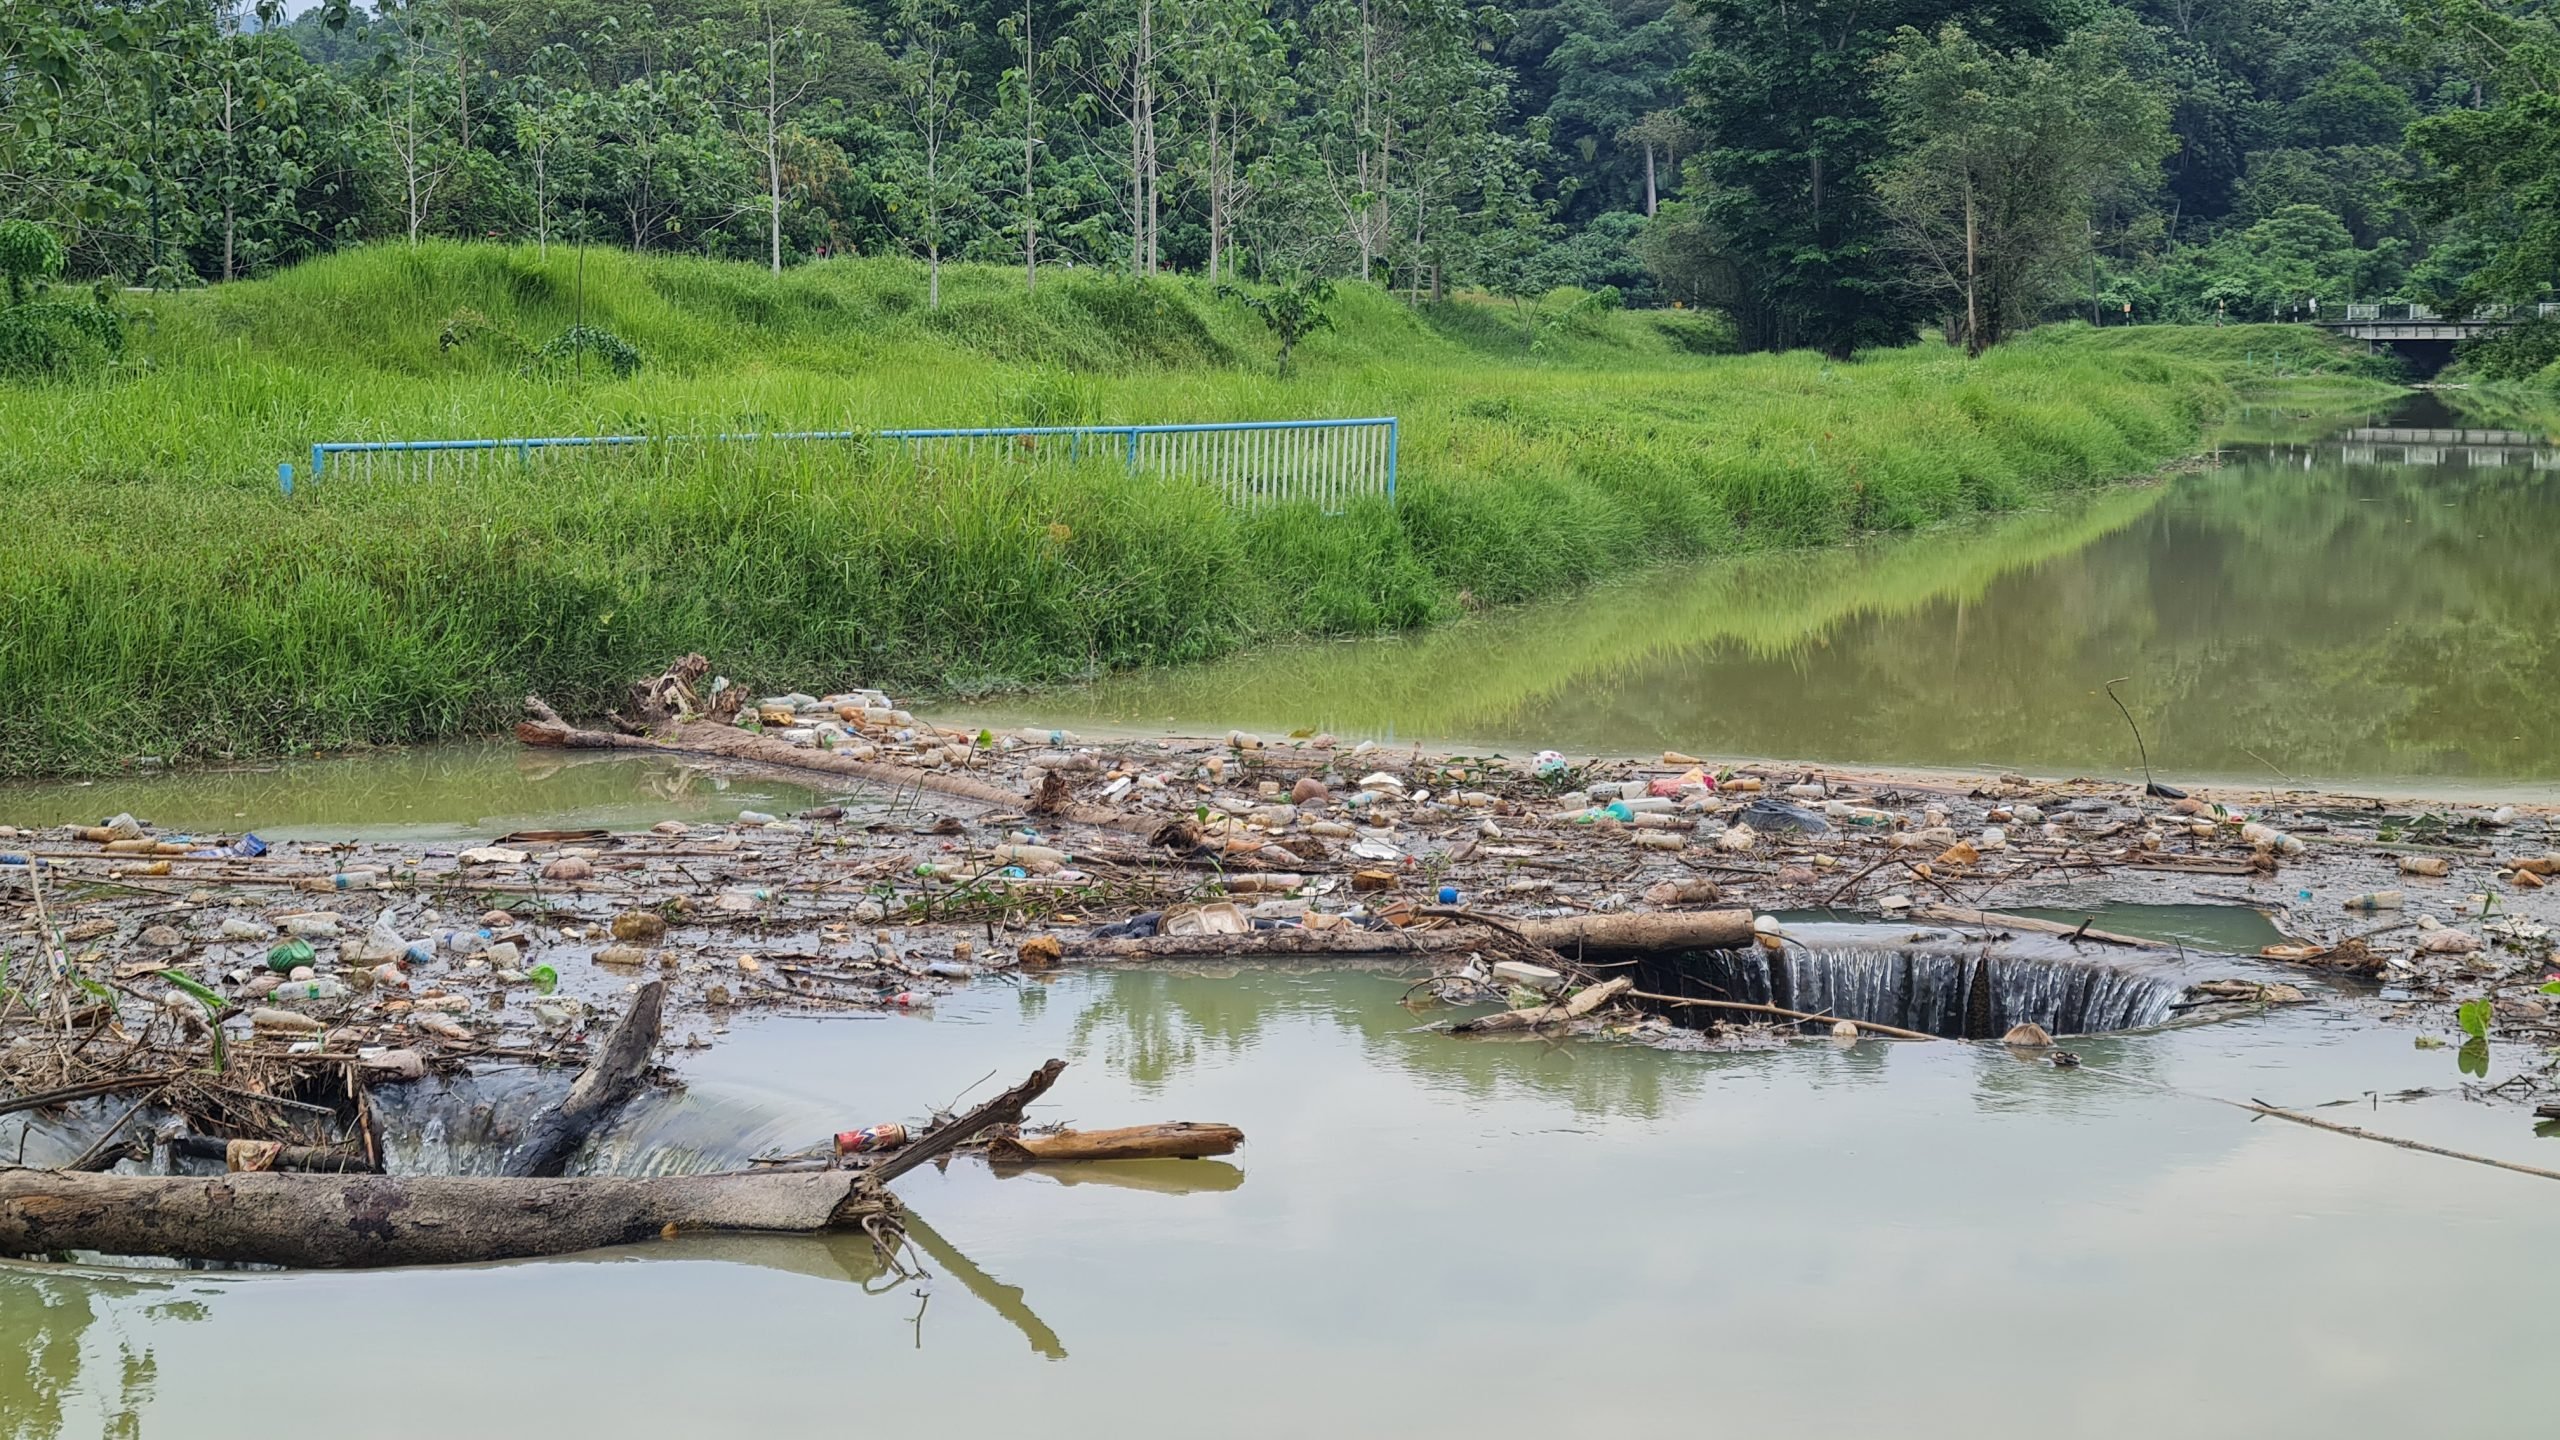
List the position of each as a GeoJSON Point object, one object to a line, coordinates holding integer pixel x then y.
{"type": "Point", "coordinates": [2344, 609]}
{"type": "Point", "coordinates": [433, 792]}
{"type": "Point", "coordinates": [1431, 1236]}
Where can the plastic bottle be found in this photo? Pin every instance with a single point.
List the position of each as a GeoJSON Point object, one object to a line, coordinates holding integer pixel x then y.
{"type": "Point", "coordinates": [343, 880]}
{"type": "Point", "coordinates": [323, 988]}
{"type": "Point", "coordinates": [909, 1000]}
{"type": "Point", "coordinates": [464, 942]}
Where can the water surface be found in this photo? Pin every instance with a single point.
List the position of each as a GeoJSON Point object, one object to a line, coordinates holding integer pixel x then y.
{"type": "Point", "coordinates": [430, 792]}
{"type": "Point", "coordinates": [2374, 607]}
{"type": "Point", "coordinates": [1426, 1235]}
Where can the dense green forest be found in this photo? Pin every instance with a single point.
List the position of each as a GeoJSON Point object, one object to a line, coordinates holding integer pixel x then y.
{"type": "Point", "coordinates": [1830, 173]}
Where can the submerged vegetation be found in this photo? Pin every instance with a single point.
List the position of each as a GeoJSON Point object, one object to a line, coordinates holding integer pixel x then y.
{"type": "Point", "coordinates": [166, 600]}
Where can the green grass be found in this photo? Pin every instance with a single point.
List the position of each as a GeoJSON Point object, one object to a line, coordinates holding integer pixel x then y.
{"type": "Point", "coordinates": [163, 599]}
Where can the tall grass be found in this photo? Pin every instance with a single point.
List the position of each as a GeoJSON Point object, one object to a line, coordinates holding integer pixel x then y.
{"type": "Point", "coordinates": [163, 598]}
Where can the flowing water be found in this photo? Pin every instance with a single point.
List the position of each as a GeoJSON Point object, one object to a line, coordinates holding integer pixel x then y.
{"type": "Point", "coordinates": [1428, 1235]}
{"type": "Point", "coordinates": [2339, 604]}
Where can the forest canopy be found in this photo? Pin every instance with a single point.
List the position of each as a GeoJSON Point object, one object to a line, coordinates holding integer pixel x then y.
{"type": "Point", "coordinates": [1832, 173]}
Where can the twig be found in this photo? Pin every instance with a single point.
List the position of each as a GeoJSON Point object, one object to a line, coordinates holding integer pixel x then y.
{"type": "Point", "coordinates": [2139, 748]}
{"type": "Point", "coordinates": [1895, 1031]}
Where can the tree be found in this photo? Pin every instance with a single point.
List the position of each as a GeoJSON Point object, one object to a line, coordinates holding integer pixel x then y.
{"type": "Point", "coordinates": [29, 257]}
{"type": "Point", "coordinates": [2495, 170]}
{"type": "Point", "coordinates": [1663, 131]}
{"type": "Point", "coordinates": [1291, 312]}
{"type": "Point", "coordinates": [1795, 138]}
{"type": "Point", "coordinates": [554, 122]}
{"type": "Point", "coordinates": [416, 102]}
{"type": "Point", "coordinates": [1232, 63]}
{"type": "Point", "coordinates": [2003, 156]}
{"type": "Point", "coordinates": [922, 51]}
{"type": "Point", "coordinates": [788, 56]}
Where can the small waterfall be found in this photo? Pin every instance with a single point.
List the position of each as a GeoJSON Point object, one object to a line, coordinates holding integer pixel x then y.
{"type": "Point", "coordinates": [1951, 993]}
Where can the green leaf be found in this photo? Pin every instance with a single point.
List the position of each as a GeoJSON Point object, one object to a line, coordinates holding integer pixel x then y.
{"type": "Point", "coordinates": [2474, 1016]}
{"type": "Point", "coordinates": [205, 997]}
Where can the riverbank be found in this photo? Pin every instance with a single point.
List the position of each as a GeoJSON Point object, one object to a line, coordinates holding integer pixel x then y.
{"type": "Point", "coordinates": [168, 603]}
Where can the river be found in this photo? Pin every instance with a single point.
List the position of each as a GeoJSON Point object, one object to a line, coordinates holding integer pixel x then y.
{"type": "Point", "coordinates": [1429, 1235]}
{"type": "Point", "coordinates": [2318, 607]}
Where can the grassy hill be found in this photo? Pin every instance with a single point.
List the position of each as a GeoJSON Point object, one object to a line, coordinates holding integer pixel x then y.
{"type": "Point", "coordinates": [166, 600]}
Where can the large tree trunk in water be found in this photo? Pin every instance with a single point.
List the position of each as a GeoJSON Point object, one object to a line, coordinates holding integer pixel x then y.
{"type": "Point", "coordinates": [610, 1077]}
{"type": "Point", "coordinates": [336, 1221]}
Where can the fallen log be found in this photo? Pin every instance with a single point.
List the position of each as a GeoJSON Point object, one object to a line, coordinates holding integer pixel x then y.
{"type": "Point", "coordinates": [1583, 1002]}
{"type": "Point", "coordinates": [609, 1079]}
{"type": "Point", "coordinates": [1687, 930]}
{"type": "Point", "coordinates": [727, 742]}
{"type": "Point", "coordinates": [1179, 1140]}
{"type": "Point", "coordinates": [332, 1221]}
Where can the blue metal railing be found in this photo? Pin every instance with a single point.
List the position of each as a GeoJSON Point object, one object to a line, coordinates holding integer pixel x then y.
{"type": "Point", "coordinates": [1325, 462]}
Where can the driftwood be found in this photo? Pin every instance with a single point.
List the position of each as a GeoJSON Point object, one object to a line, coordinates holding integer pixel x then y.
{"type": "Point", "coordinates": [609, 1079]}
{"type": "Point", "coordinates": [334, 1221]}
{"type": "Point", "coordinates": [1584, 1001]}
{"type": "Point", "coordinates": [727, 742]}
{"type": "Point", "coordinates": [1688, 930]}
{"type": "Point", "coordinates": [1180, 1140]}
{"type": "Point", "coordinates": [1005, 1109]}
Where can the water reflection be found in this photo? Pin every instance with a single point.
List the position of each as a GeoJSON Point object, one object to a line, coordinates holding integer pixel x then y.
{"type": "Point", "coordinates": [2344, 610]}
{"type": "Point", "coordinates": [84, 1365]}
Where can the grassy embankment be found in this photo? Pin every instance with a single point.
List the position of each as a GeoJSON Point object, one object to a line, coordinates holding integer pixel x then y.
{"type": "Point", "coordinates": [164, 600]}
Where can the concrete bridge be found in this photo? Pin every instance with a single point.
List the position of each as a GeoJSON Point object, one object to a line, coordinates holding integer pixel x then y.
{"type": "Point", "coordinates": [2419, 333]}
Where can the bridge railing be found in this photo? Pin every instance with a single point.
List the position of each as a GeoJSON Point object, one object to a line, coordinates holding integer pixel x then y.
{"type": "Point", "coordinates": [1327, 463]}
{"type": "Point", "coordinates": [2386, 311]}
